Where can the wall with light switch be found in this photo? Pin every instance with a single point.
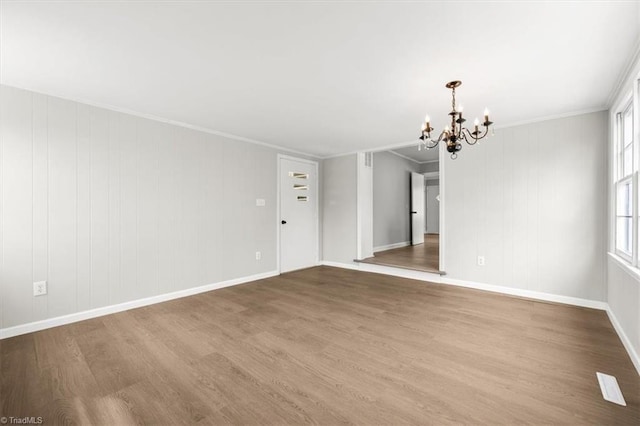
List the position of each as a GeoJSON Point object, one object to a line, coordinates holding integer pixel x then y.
{"type": "Point", "coordinates": [110, 208]}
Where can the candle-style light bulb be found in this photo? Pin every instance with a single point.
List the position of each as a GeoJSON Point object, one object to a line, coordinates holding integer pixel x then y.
{"type": "Point", "coordinates": [427, 119]}
{"type": "Point", "coordinates": [486, 115]}
{"type": "Point", "coordinates": [460, 108]}
{"type": "Point", "coordinates": [446, 129]}
{"type": "Point", "coordinates": [476, 122]}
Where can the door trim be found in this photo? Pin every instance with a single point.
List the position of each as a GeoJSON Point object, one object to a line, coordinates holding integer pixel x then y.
{"type": "Point", "coordinates": [278, 212]}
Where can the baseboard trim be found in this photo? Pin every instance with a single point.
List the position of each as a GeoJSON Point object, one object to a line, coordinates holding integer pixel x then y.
{"type": "Point", "coordinates": [112, 309]}
{"type": "Point", "coordinates": [442, 279]}
{"type": "Point", "coordinates": [531, 294]}
{"type": "Point", "coordinates": [635, 359]}
{"type": "Point", "coordinates": [547, 297]}
{"type": "Point", "coordinates": [392, 246]}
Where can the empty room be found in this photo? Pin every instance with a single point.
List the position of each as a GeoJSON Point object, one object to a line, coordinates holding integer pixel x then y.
{"type": "Point", "coordinates": [319, 212]}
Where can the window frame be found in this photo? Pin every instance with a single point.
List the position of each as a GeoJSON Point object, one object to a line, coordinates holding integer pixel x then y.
{"type": "Point", "coordinates": [628, 104]}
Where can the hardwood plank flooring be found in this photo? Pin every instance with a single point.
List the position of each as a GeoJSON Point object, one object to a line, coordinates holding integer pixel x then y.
{"type": "Point", "coordinates": [422, 257]}
{"type": "Point", "coordinates": [324, 346]}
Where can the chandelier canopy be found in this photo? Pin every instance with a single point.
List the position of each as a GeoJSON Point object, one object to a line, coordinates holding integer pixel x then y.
{"type": "Point", "coordinates": [455, 134]}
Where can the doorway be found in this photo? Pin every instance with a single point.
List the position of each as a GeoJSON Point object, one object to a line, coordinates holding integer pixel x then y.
{"type": "Point", "coordinates": [298, 211]}
{"type": "Point", "coordinates": [406, 181]}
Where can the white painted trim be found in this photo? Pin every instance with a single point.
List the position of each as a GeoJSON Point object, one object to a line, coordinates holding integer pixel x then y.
{"type": "Point", "coordinates": [632, 271]}
{"type": "Point", "coordinates": [112, 309]}
{"type": "Point", "coordinates": [168, 121]}
{"type": "Point", "coordinates": [430, 277]}
{"type": "Point", "coordinates": [397, 145]}
{"type": "Point", "coordinates": [402, 156]}
{"type": "Point", "coordinates": [627, 72]}
{"type": "Point", "coordinates": [280, 157]}
{"type": "Point", "coordinates": [529, 294]}
{"type": "Point", "coordinates": [442, 203]}
{"type": "Point", "coordinates": [635, 359]}
{"type": "Point", "coordinates": [431, 175]}
{"type": "Point", "coordinates": [391, 246]}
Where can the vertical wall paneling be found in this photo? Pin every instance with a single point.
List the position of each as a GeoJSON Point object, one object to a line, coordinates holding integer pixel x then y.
{"type": "Point", "coordinates": [391, 199]}
{"type": "Point", "coordinates": [213, 224]}
{"type": "Point", "coordinates": [40, 202]}
{"type": "Point", "coordinates": [17, 203]}
{"type": "Point", "coordinates": [531, 200]}
{"type": "Point", "coordinates": [113, 225]}
{"type": "Point", "coordinates": [111, 208]}
{"type": "Point", "coordinates": [63, 212]}
{"type": "Point", "coordinates": [127, 135]}
{"type": "Point", "coordinates": [168, 149]}
{"type": "Point", "coordinates": [99, 208]}
{"type": "Point", "coordinates": [148, 208]}
{"type": "Point", "coordinates": [339, 209]}
{"type": "Point", "coordinates": [83, 225]}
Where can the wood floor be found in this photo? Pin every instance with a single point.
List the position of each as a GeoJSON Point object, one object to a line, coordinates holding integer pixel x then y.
{"type": "Point", "coordinates": [421, 257]}
{"type": "Point", "coordinates": [324, 346]}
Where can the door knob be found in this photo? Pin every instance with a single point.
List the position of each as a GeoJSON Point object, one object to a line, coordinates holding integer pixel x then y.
{"type": "Point", "coordinates": [414, 212]}
{"type": "Point", "coordinates": [283, 222]}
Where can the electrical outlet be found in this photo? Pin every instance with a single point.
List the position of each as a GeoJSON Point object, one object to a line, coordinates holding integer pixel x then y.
{"type": "Point", "coordinates": [480, 260]}
{"type": "Point", "coordinates": [39, 288]}
{"type": "Point", "coordinates": [258, 255]}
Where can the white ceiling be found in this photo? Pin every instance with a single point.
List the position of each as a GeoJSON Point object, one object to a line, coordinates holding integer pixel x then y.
{"type": "Point", "coordinates": [321, 77]}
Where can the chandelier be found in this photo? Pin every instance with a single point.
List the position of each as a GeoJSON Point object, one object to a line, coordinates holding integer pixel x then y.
{"type": "Point", "coordinates": [455, 134]}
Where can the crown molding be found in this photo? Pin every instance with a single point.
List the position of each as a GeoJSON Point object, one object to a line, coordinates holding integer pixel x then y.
{"type": "Point", "coordinates": [165, 120]}
{"type": "Point", "coordinates": [625, 75]}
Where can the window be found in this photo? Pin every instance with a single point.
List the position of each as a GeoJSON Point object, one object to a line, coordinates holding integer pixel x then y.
{"type": "Point", "coordinates": [625, 171]}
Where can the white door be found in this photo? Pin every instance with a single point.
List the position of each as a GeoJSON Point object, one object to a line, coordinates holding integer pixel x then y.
{"type": "Point", "coordinates": [298, 214]}
{"type": "Point", "coordinates": [417, 208]}
{"type": "Point", "coordinates": [433, 209]}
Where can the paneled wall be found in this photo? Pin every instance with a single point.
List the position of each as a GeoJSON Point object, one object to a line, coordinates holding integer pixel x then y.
{"type": "Point", "coordinates": [108, 207]}
{"type": "Point", "coordinates": [339, 231]}
{"type": "Point", "coordinates": [391, 199]}
{"type": "Point", "coordinates": [624, 300]}
{"type": "Point", "coordinates": [532, 200]}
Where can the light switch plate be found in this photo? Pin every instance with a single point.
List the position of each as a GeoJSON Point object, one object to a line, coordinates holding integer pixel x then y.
{"type": "Point", "coordinates": [260, 202]}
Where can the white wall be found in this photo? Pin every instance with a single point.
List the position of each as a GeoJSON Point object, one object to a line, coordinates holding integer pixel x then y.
{"type": "Point", "coordinates": [365, 204]}
{"type": "Point", "coordinates": [339, 209]}
{"type": "Point", "coordinates": [624, 301]}
{"type": "Point", "coordinates": [532, 200]}
{"type": "Point", "coordinates": [110, 208]}
{"type": "Point", "coordinates": [391, 199]}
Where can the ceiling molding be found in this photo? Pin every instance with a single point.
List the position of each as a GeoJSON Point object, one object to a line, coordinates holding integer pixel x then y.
{"type": "Point", "coordinates": [553, 117]}
{"type": "Point", "coordinates": [505, 126]}
{"type": "Point", "coordinates": [625, 75]}
{"type": "Point", "coordinates": [403, 156]}
{"type": "Point", "coordinates": [168, 121]}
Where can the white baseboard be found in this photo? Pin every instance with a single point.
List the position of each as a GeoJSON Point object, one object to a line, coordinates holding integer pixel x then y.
{"type": "Point", "coordinates": [391, 246]}
{"type": "Point", "coordinates": [547, 297]}
{"type": "Point", "coordinates": [625, 339]}
{"type": "Point", "coordinates": [112, 309]}
{"type": "Point", "coordinates": [538, 295]}
{"type": "Point", "coordinates": [443, 279]}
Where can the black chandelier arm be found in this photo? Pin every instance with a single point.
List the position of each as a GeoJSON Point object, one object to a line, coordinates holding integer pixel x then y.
{"type": "Point", "coordinates": [430, 143]}
{"type": "Point", "coordinates": [472, 139]}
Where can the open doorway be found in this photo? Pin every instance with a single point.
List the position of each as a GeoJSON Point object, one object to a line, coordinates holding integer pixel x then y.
{"type": "Point", "coordinates": [399, 240]}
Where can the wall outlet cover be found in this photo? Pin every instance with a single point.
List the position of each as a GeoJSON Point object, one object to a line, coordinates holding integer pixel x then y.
{"type": "Point", "coordinates": [39, 288]}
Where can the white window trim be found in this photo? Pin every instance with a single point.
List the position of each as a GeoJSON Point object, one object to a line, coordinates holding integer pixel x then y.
{"type": "Point", "coordinates": [631, 262]}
